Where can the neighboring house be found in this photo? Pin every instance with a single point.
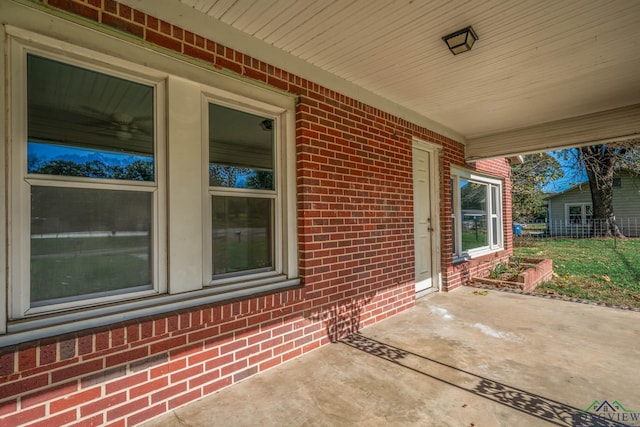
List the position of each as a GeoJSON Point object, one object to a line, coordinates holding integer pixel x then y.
{"type": "Point", "coordinates": [571, 212]}
{"type": "Point", "coordinates": [178, 216]}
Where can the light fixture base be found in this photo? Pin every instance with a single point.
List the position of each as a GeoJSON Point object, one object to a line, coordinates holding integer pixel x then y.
{"type": "Point", "coordinates": [461, 40]}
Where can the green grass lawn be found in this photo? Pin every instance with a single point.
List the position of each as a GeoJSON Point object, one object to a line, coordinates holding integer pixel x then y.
{"type": "Point", "coordinates": [473, 239]}
{"type": "Point", "coordinates": [72, 267]}
{"type": "Point", "coordinates": [231, 256]}
{"type": "Point", "coordinates": [591, 269]}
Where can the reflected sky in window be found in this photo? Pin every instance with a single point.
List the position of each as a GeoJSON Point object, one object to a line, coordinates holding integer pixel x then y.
{"type": "Point", "coordinates": [54, 159]}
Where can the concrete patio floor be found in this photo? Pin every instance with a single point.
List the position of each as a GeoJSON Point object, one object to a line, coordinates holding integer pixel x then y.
{"type": "Point", "coordinates": [457, 359]}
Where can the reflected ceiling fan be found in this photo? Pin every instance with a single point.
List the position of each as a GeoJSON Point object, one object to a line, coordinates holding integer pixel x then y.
{"type": "Point", "coordinates": [123, 126]}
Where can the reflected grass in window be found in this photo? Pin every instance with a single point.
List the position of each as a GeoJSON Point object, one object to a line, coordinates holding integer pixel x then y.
{"type": "Point", "coordinates": [73, 267]}
{"type": "Point", "coordinates": [473, 206]}
{"type": "Point", "coordinates": [242, 229]}
{"type": "Point", "coordinates": [88, 241]}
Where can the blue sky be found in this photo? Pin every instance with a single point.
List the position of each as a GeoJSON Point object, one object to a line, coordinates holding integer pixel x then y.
{"type": "Point", "coordinates": [48, 152]}
{"type": "Point", "coordinates": [572, 175]}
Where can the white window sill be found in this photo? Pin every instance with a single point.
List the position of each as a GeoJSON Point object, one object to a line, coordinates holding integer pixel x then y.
{"type": "Point", "coordinates": [468, 256]}
{"type": "Point", "coordinates": [58, 324]}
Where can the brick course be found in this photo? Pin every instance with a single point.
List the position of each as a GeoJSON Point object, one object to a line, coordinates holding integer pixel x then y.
{"type": "Point", "coordinates": [356, 263]}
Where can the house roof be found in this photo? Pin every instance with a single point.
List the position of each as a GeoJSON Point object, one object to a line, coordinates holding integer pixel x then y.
{"type": "Point", "coordinates": [577, 186]}
{"type": "Point", "coordinates": [580, 184]}
{"type": "Point", "coordinates": [540, 71]}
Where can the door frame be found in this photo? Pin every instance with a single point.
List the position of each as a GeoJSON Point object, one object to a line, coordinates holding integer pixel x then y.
{"type": "Point", "coordinates": [435, 153]}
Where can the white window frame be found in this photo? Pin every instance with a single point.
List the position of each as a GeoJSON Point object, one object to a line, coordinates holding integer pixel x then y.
{"type": "Point", "coordinates": [22, 182]}
{"type": "Point", "coordinates": [493, 186]}
{"type": "Point", "coordinates": [585, 221]}
{"type": "Point", "coordinates": [182, 193]}
{"type": "Point", "coordinates": [280, 212]}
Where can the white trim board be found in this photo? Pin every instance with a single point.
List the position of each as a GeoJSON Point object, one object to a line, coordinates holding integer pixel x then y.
{"type": "Point", "coordinates": [606, 126]}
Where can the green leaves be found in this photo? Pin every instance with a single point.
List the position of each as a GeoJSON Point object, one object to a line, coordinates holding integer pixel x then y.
{"type": "Point", "coordinates": [528, 180]}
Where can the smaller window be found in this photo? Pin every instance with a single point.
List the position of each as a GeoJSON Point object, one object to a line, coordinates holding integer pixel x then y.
{"type": "Point", "coordinates": [617, 182]}
{"type": "Point", "coordinates": [578, 214]}
{"type": "Point", "coordinates": [476, 213]}
{"type": "Point", "coordinates": [244, 193]}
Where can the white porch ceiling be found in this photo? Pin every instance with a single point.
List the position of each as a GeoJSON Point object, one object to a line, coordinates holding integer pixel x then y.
{"type": "Point", "coordinates": [536, 61]}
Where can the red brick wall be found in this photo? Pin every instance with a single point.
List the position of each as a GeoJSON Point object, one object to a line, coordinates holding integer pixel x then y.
{"type": "Point", "coordinates": [355, 228]}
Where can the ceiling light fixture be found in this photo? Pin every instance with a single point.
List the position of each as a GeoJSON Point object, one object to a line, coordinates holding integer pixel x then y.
{"type": "Point", "coordinates": [266, 124]}
{"type": "Point", "coordinates": [461, 41]}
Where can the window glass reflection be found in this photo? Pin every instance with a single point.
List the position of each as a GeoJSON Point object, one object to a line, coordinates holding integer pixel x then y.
{"type": "Point", "coordinates": [473, 206]}
{"type": "Point", "coordinates": [87, 242]}
{"type": "Point", "coordinates": [240, 149]}
{"type": "Point", "coordinates": [83, 123]}
{"type": "Point", "coordinates": [242, 230]}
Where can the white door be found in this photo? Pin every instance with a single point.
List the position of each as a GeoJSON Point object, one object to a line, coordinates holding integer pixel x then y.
{"type": "Point", "coordinates": [423, 220]}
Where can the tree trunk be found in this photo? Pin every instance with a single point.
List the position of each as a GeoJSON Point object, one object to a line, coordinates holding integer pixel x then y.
{"type": "Point", "coordinates": [599, 162]}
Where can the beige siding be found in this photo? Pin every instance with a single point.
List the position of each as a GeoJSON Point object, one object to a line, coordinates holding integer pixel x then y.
{"type": "Point", "coordinates": [626, 206]}
{"type": "Point", "coordinates": [626, 199]}
{"type": "Point", "coordinates": [557, 204]}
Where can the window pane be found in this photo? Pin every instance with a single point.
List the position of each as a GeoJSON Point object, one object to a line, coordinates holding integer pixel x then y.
{"type": "Point", "coordinates": [495, 207]}
{"type": "Point", "coordinates": [495, 197]}
{"type": "Point", "coordinates": [87, 124]}
{"type": "Point", "coordinates": [242, 234]}
{"type": "Point", "coordinates": [453, 219]}
{"type": "Point", "coordinates": [86, 241]}
{"type": "Point", "coordinates": [240, 149]}
{"type": "Point", "coordinates": [473, 206]}
{"type": "Point", "coordinates": [575, 214]}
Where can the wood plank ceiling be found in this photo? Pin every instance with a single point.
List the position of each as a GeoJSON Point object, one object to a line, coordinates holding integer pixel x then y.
{"type": "Point", "coordinates": [536, 61]}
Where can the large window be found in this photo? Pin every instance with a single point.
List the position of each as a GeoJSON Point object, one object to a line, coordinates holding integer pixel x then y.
{"type": "Point", "coordinates": [133, 191]}
{"type": "Point", "coordinates": [87, 182]}
{"type": "Point", "coordinates": [476, 213]}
